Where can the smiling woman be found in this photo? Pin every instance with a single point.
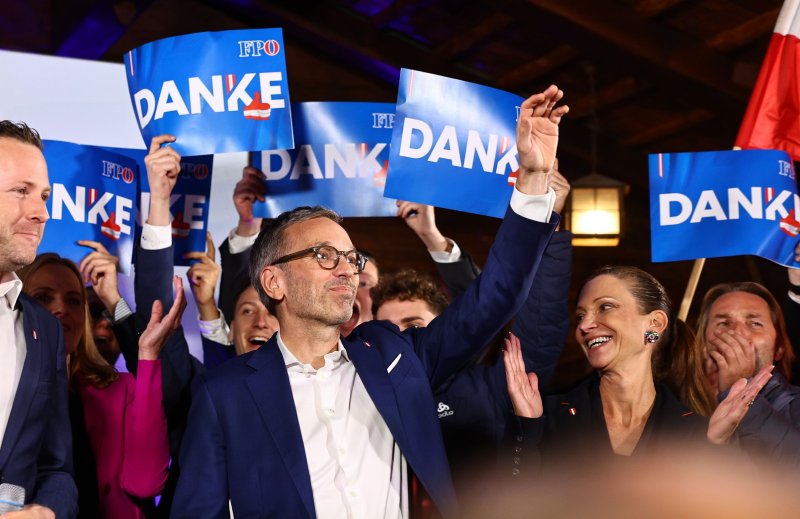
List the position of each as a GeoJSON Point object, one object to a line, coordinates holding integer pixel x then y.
{"type": "Point", "coordinates": [121, 457]}
{"type": "Point", "coordinates": [647, 388]}
{"type": "Point", "coordinates": [57, 284]}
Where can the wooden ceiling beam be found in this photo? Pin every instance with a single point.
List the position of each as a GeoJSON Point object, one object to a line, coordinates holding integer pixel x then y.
{"type": "Point", "coordinates": [667, 127]}
{"type": "Point", "coordinates": [532, 70]}
{"type": "Point", "coordinates": [651, 8]}
{"type": "Point", "coordinates": [385, 16]}
{"type": "Point", "coordinates": [353, 41]}
{"type": "Point", "coordinates": [462, 43]}
{"type": "Point", "coordinates": [615, 93]}
{"type": "Point", "coordinates": [741, 35]}
{"type": "Point", "coordinates": [647, 40]}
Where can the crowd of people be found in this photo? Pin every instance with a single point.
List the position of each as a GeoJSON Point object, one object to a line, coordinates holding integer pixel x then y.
{"type": "Point", "coordinates": [328, 388]}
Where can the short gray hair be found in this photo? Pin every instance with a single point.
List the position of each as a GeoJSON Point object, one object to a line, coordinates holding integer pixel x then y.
{"type": "Point", "coordinates": [271, 243]}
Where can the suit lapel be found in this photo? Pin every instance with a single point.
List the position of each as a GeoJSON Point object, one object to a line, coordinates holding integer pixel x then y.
{"type": "Point", "coordinates": [270, 388]}
{"type": "Point", "coordinates": [28, 381]}
{"type": "Point", "coordinates": [371, 368]}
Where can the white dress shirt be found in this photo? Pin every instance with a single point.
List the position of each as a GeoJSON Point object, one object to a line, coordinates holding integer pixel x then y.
{"type": "Point", "coordinates": [356, 467]}
{"type": "Point", "coordinates": [12, 345]}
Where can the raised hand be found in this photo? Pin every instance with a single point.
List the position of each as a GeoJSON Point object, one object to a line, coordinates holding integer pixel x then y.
{"type": "Point", "coordinates": [522, 388]}
{"type": "Point", "coordinates": [248, 190]}
{"type": "Point", "coordinates": [734, 356]}
{"type": "Point", "coordinates": [203, 276]}
{"type": "Point", "coordinates": [163, 167]}
{"type": "Point", "coordinates": [537, 138]}
{"type": "Point", "coordinates": [422, 220]}
{"type": "Point", "coordinates": [100, 269]}
{"type": "Point", "coordinates": [732, 410]}
{"type": "Point", "coordinates": [161, 327]}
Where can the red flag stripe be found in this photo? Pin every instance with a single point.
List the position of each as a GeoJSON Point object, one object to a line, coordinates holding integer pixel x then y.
{"type": "Point", "coordinates": [772, 120]}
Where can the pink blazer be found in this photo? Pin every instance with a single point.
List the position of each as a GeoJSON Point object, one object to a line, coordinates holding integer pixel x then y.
{"type": "Point", "coordinates": [128, 433]}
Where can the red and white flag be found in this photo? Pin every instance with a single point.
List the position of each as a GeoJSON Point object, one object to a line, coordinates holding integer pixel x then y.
{"type": "Point", "coordinates": [772, 120]}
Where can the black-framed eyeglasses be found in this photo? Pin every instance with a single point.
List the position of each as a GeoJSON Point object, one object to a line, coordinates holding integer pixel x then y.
{"type": "Point", "coordinates": [328, 257]}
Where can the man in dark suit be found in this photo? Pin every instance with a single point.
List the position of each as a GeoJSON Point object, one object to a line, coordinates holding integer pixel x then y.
{"type": "Point", "coordinates": [35, 439]}
{"type": "Point", "coordinates": [313, 425]}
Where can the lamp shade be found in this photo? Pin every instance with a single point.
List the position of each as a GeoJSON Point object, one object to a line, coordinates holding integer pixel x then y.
{"type": "Point", "coordinates": [595, 211]}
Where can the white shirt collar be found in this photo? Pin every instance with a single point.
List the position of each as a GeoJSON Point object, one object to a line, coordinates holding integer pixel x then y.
{"type": "Point", "coordinates": [10, 288]}
{"type": "Point", "coordinates": [334, 358]}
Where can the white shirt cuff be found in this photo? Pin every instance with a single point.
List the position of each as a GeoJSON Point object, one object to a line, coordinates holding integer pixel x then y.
{"type": "Point", "coordinates": [238, 244]}
{"type": "Point", "coordinates": [534, 207]}
{"type": "Point", "coordinates": [794, 297]}
{"type": "Point", "coordinates": [215, 330]}
{"type": "Point", "coordinates": [121, 311]}
{"type": "Point", "coordinates": [156, 237]}
{"type": "Point", "coordinates": [447, 257]}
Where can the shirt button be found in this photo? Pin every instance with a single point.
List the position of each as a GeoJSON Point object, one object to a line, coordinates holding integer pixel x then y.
{"type": "Point", "coordinates": [330, 411]}
{"type": "Point", "coordinates": [342, 451]}
{"type": "Point", "coordinates": [515, 472]}
{"type": "Point", "coordinates": [517, 449]}
{"type": "Point", "coordinates": [517, 460]}
{"type": "Point", "coordinates": [519, 438]}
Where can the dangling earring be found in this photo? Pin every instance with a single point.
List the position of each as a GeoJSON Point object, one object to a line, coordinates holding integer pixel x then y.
{"type": "Point", "coordinates": [651, 336]}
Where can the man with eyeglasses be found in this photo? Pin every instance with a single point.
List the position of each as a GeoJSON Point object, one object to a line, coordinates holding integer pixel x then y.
{"type": "Point", "coordinates": [332, 425]}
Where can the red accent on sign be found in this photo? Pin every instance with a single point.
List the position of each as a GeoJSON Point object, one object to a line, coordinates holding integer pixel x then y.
{"type": "Point", "coordinates": [127, 175]}
{"type": "Point", "coordinates": [271, 47]}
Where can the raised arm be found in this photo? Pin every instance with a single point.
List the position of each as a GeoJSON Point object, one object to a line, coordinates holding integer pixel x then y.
{"type": "Point", "coordinates": [203, 277]}
{"type": "Point", "coordinates": [99, 268]}
{"type": "Point", "coordinates": [543, 321]}
{"type": "Point", "coordinates": [455, 266]}
{"type": "Point", "coordinates": [235, 250]}
{"type": "Point", "coordinates": [471, 321]}
{"type": "Point", "coordinates": [145, 465]}
{"type": "Point", "coordinates": [154, 255]}
{"type": "Point", "coordinates": [537, 139]}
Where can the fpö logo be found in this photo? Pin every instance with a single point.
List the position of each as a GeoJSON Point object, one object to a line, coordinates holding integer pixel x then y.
{"type": "Point", "coordinates": [258, 48]}
{"type": "Point", "coordinates": [191, 170]}
{"type": "Point", "coordinates": [117, 172]}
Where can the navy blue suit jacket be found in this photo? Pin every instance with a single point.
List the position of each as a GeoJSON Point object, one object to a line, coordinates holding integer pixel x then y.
{"type": "Point", "coordinates": [215, 353]}
{"type": "Point", "coordinates": [474, 407]}
{"type": "Point", "coordinates": [249, 398]}
{"type": "Point", "coordinates": [37, 447]}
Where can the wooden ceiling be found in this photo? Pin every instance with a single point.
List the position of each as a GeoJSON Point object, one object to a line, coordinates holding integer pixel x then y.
{"type": "Point", "coordinates": [671, 75]}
